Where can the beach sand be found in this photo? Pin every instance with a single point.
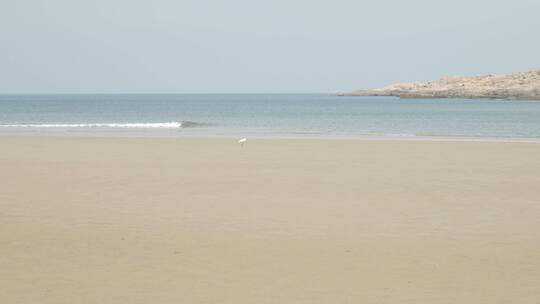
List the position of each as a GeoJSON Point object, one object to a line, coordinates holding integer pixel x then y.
{"type": "Point", "coordinates": [148, 220]}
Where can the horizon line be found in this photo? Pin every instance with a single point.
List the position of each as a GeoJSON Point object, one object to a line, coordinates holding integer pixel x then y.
{"type": "Point", "coordinates": [169, 93]}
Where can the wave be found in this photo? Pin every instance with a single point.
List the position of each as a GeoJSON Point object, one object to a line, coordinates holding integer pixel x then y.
{"type": "Point", "coordinates": [392, 134]}
{"type": "Point", "coordinates": [192, 124]}
{"type": "Point", "coordinates": [138, 125]}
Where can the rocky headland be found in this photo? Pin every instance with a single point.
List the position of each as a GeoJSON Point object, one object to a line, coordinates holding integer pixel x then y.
{"type": "Point", "coordinates": [522, 86]}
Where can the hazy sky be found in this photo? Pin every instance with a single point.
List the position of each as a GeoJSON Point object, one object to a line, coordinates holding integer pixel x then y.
{"type": "Point", "coordinates": [115, 46]}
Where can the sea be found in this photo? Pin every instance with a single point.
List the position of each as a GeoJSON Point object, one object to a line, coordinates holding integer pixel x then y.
{"type": "Point", "coordinates": [267, 115]}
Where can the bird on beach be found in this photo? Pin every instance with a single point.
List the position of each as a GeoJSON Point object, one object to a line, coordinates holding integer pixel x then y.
{"type": "Point", "coordinates": [242, 141]}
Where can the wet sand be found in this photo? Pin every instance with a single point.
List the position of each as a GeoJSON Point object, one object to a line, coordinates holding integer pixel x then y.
{"type": "Point", "coordinates": [147, 220]}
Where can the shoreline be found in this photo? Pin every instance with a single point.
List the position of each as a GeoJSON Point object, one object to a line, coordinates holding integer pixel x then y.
{"type": "Point", "coordinates": [276, 135]}
{"type": "Point", "coordinates": [367, 93]}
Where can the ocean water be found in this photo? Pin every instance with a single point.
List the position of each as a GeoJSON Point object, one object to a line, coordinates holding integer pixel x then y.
{"type": "Point", "coordinates": [267, 115]}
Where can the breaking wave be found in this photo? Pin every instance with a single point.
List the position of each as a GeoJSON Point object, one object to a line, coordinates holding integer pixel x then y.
{"type": "Point", "coordinates": [158, 125]}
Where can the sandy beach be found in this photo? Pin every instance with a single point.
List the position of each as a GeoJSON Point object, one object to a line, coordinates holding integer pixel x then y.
{"type": "Point", "coordinates": [148, 220]}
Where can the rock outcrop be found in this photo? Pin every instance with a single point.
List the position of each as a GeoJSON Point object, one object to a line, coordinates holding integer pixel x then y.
{"type": "Point", "coordinates": [523, 86]}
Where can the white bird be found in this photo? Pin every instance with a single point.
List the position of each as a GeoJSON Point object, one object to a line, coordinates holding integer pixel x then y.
{"type": "Point", "coordinates": [242, 141]}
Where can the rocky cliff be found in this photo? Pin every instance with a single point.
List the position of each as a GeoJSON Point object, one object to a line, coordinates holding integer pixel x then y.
{"type": "Point", "coordinates": [524, 86]}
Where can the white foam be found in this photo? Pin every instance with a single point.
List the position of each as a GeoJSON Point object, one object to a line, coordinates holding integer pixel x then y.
{"type": "Point", "coordinates": [159, 125]}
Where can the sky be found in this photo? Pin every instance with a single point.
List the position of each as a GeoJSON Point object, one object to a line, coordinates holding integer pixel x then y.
{"type": "Point", "coordinates": [252, 46]}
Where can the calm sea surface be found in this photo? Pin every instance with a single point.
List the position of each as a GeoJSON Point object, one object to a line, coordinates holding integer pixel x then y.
{"type": "Point", "coordinates": [267, 114]}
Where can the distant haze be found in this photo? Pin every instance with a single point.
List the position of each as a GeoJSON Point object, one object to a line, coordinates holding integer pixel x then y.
{"type": "Point", "coordinates": [185, 46]}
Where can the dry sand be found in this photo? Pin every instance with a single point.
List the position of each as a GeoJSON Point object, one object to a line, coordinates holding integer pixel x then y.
{"type": "Point", "coordinates": [105, 220]}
